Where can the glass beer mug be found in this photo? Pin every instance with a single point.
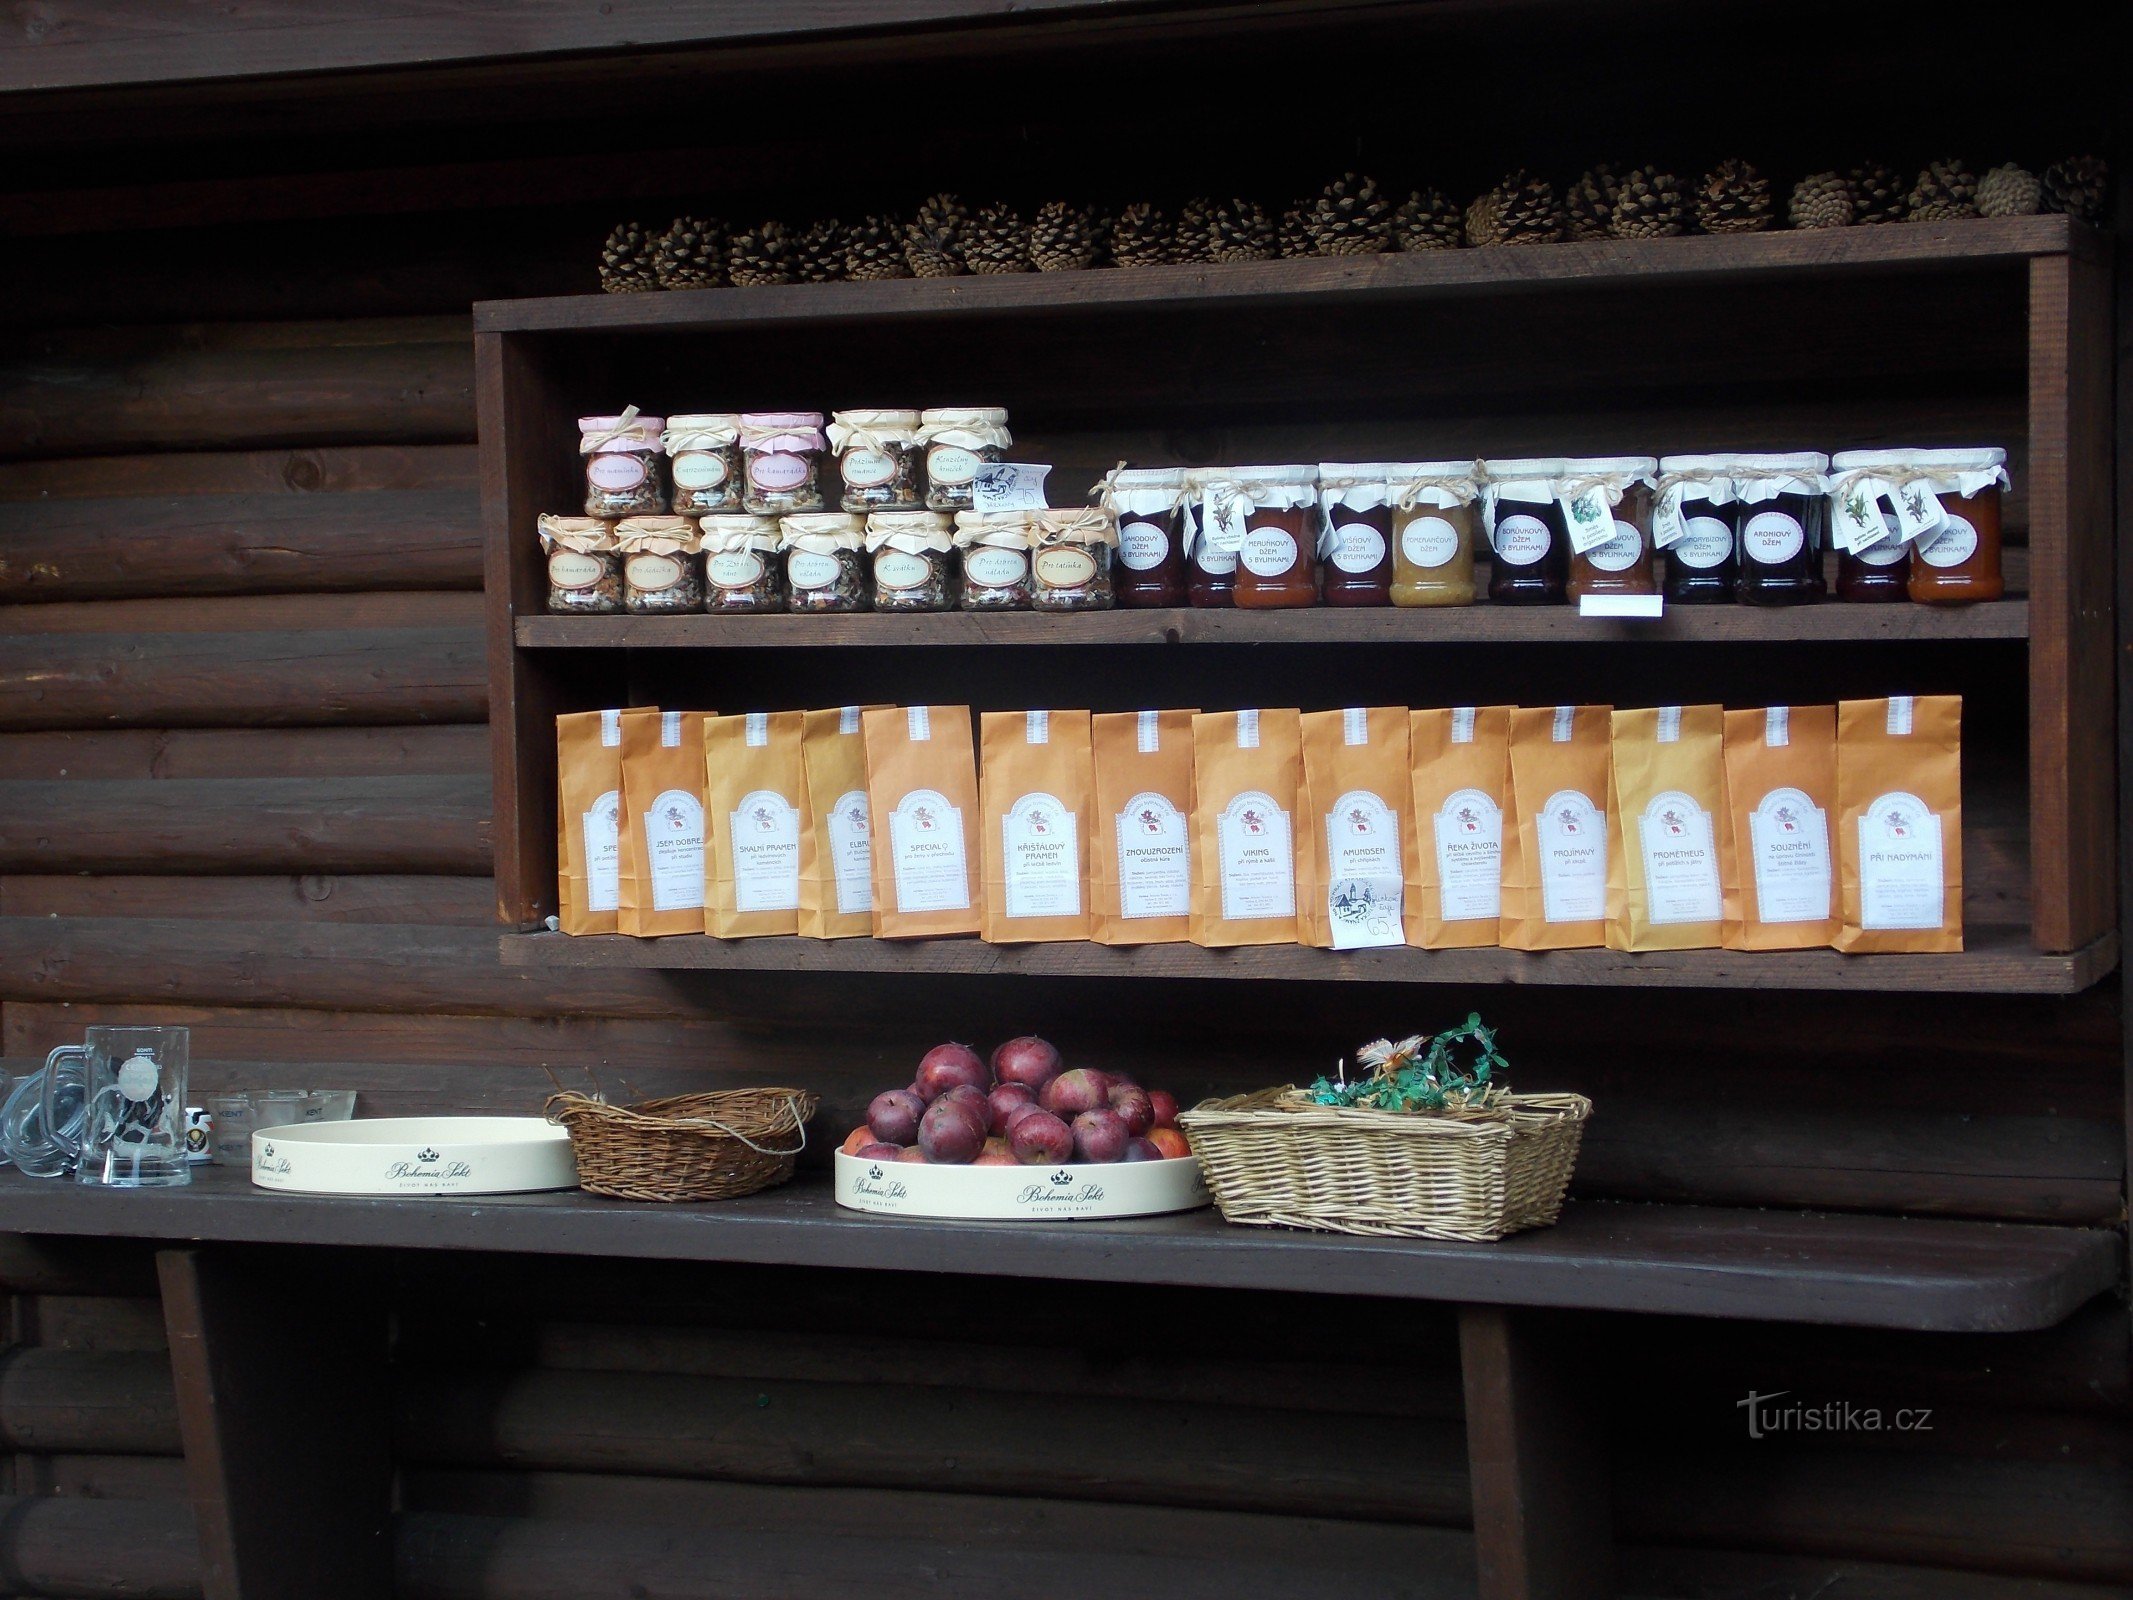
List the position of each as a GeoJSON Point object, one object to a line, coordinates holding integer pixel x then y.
{"type": "Point", "coordinates": [132, 1130]}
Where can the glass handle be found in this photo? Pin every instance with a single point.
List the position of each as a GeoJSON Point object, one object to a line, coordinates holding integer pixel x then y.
{"type": "Point", "coordinates": [66, 1144]}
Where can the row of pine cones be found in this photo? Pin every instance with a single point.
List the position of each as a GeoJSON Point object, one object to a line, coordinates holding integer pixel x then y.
{"type": "Point", "coordinates": [1350, 216]}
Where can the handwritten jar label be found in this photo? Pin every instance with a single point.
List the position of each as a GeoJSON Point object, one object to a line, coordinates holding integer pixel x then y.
{"type": "Point", "coordinates": [699, 469]}
{"type": "Point", "coordinates": [734, 569]}
{"type": "Point", "coordinates": [1064, 567]}
{"type": "Point", "coordinates": [811, 571]}
{"type": "Point", "coordinates": [617, 470]}
{"type": "Point", "coordinates": [572, 569]}
{"type": "Point", "coordinates": [650, 573]}
{"type": "Point", "coordinates": [896, 569]}
{"type": "Point", "coordinates": [990, 567]}
{"type": "Point", "coordinates": [777, 470]}
{"type": "Point", "coordinates": [867, 469]}
{"type": "Point", "coordinates": [951, 464]}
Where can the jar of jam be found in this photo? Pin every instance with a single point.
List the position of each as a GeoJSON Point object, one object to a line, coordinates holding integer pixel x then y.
{"type": "Point", "coordinates": [1150, 566]}
{"type": "Point", "coordinates": [704, 460]}
{"type": "Point", "coordinates": [1355, 538]}
{"type": "Point", "coordinates": [1433, 532]}
{"type": "Point", "coordinates": [662, 565]}
{"type": "Point", "coordinates": [584, 569]}
{"type": "Point", "coordinates": [958, 441]}
{"type": "Point", "coordinates": [1211, 538]}
{"type": "Point", "coordinates": [879, 460]}
{"type": "Point", "coordinates": [914, 560]}
{"type": "Point", "coordinates": [995, 548]}
{"type": "Point", "coordinates": [1946, 502]}
{"type": "Point", "coordinates": [825, 561]}
{"type": "Point", "coordinates": [1274, 512]}
{"type": "Point", "coordinates": [1070, 559]}
{"type": "Point", "coordinates": [1692, 523]}
{"type": "Point", "coordinates": [742, 571]}
{"type": "Point", "coordinates": [1780, 507]}
{"type": "Point", "coordinates": [781, 455]}
{"type": "Point", "coordinates": [625, 473]}
{"type": "Point", "coordinates": [1529, 553]}
{"type": "Point", "coordinates": [1622, 562]}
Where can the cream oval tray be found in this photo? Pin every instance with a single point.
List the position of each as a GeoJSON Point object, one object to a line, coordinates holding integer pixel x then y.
{"type": "Point", "coordinates": [416, 1155]}
{"type": "Point", "coordinates": [1064, 1192]}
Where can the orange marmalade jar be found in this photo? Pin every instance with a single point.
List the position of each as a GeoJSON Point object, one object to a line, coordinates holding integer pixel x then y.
{"type": "Point", "coordinates": [1271, 514]}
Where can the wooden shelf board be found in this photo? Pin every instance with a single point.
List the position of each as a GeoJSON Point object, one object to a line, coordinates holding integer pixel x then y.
{"type": "Point", "coordinates": [1684, 1260]}
{"type": "Point", "coordinates": [1969, 243]}
{"type": "Point", "coordinates": [1475, 624]}
{"type": "Point", "coordinates": [1998, 961]}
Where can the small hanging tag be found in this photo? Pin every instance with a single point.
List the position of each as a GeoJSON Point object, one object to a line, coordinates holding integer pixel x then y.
{"type": "Point", "coordinates": [670, 729]}
{"type": "Point", "coordinates": [918, 722]}
{"type": "Point", "coordinates": [847, 719]}
{"type": "Point", "coordinates": [1669, 526]}
{"type": "Point", "coordinates": [610, 728]}
{"type": "Point", "coordinates": [1147, 732]}
{"type": "Point", "coordinates": [1223, 523]}
{"type": "Point", "coordinates": [1355, 726]}
{"type": "Point", "coordinates": [758, 729]}
{"type": "Point", "coordinates": [1900, 711]}
{"type": "Point", "coordinates": [1777, 726]}
{"type": "Point", "coordinates": [1036, 727]}
{"type": "Point", "coordinates": [1009, 486]}
{"type": "Point", "coordinates": [1919, 513]}
{"type": "Point", "coordinates": [1590, 519]}
{"type": "Point", "coordinates": [1855, 519]}
{"type": "Point", "coordinates": [1670, 725]}
{"type": "Point", "coordinates": [1462, 724]}
{"type": "Point", "coordinates": [1247, 730]}
{"type": "Point", "coordinates": [1565, 719]}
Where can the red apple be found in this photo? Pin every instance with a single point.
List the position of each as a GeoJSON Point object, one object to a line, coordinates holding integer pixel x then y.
{"type": "Point", "coordinates": [1166, 1107]}
{"type": "Point", "coordinates": [894, 1116]}
{"type": "Point", "coordinates": [1016, 1113]}
{"type": "Point", "coordinates": [1004, 1098]}
{"type": "Point", "coordinates": [914, 1155]}
{"type": "Point", "coordinates": [1029, 1060]}
{"type": "Point", "coordinates": [947, 1065]}
{"type": "Point", "coordinates": [950, 1134]}
{"type": "Point", "coordinates": [1143, 1150]}
{"type": "Point", "coordinates": [1170, 1141]}
{"type": "Point", "coordinates": [1100, 1136]}
{"type": "Point", "coordinates": [972, 1101]}
{"type": "Point", "coordinates": [1040, 1138]}
{"type": "Point", "coordinates": [857, 1137]}
{"type": "Point", "coordinates": [880, 1151]}
{"type": "Point", "coordinates": [996, 1154]}
{"type": "Point", "coordinates": [1072, 1093]}
{"type": "Point", "coordinates": [1133, 1103]}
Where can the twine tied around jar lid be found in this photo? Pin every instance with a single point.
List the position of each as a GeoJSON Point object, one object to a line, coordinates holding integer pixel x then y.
{"type": "Point", "coordinates": [965, 427]}
{"type": "Point", "coordinates": [1756, 478]}
{"type": "Point", "coordinates": [727, 531]}
{"type": "Point", "coordinates": [1140, 491]}
{"type": "Point", "coordinates": [1436, 483]}
{"type": "Point", "coordinates": [871, 430]}
{"type": "Point", "coordinates": [659, 536]}
{"type": "Point", "coordinates": [586, 535]}
{"type": "Point", "coordinates": [630, 431]}
{"type": "Point", "coordinates": [999, 530]}
{"type": "Point", "coordinates": [1072, 525]}
{"type": "Point", "coordinates": [821, 533]}
{"type": "Point", "coordinates": [781, 430]}
{"type": "Point", "coordinates": [913, 532]}
{"type": "Point", "coordinates": [708, 430]}
{"type": "Point", "coordinates": [1612, 476]}
{"type": "Point", "coordinates": [1706, 477]}
{"type": "Point", "coordinates": [1912, 481]}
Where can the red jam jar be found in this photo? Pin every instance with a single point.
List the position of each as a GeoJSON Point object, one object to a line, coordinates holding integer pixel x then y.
{"type": "Point", "coordinates": [1277, 560]}
{"type": "Point", "coordinates": [1210, 542]}
{"type": "Point", "coordinates": [1355, 548]}
{"type": "Point", "coordinates": [1149, 566]}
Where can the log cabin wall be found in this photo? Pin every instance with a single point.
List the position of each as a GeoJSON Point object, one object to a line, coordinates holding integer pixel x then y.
{"type": "Point", "coordinates": [244, 786]}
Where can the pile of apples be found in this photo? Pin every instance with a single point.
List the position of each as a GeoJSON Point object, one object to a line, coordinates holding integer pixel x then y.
{"type": "Point", "coordinates": [1024, 1109]}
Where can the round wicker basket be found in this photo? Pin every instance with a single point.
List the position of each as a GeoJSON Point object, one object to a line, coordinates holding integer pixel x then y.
{"type": "Point", "coordinates": [687, 1147]}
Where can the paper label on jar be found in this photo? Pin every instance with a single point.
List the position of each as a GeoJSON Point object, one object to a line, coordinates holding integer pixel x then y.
{"type": "Point", "coordinates": [1142, 545]}
{"type": "Point", "coordinates": [1680, 860]}
{"type": "Point", "coordinates": [1208, 559]}
{"type": "Point", "coordinates": [1223, 513]}
{"type": "Point", "coordinates": [1521, 540]}
{"type": "Point", "coordinates": [1900, 874]}
{"type": "Point", "coordinates": [1770, 538]}
{"type": "Point", "coordinates": [1357, 547]}
{"type": "Point", "coordinates": [1269, 552]}
{"type": "Point", "coordinates": [851, 852]}
{"type": "Point", "coordinates": [811, 571]}
{"type": "Point", "coordinates": [990, 567]}
{"type": "Point", "coordinates": [1064, 567]}
{"type": "Point", "coordinates": [1589, 519]}
{"type": "Point", "coordinates": [573, 569]}
{"type": "Point", "coordinates": [1009, 486]}
{"type": "Point", "coordinates": [777, 470]}
{"type": "Point", "coordinates": [1258, 858]}
{"type": "Point", "coordinates": [951, 464]}
{"type": "Point", "coordinates": [1154, 858]}
{"type": "Point", "coordinates": [1619, 553]}
{"type": "Point", "coordinates": [1573, 858]}
{"type": "Point", "coordinates": [1952, 546]}
{"type": "Point", "coordinates": [699, 469]}
{"type": "Point", "coordinates": [926, 853]}
{"type": "Point", "coordinates": [1469, 833]}
{"type": "Point", "coordinates": [602, 830]}
{"type": "Point", "coordinates": [1705, 543]}
{"type": "Point", "coordinates": [1669, 527]}
{"type": "Point", "coordinates": [1856, 519]}
{"type": "Point", "coordinates": [617, 471]}
{"type": "Point", "coordinates": [1363, 880]}
{"type": "Point", "coordinates": [1919, 513]}
{"type": "Point", "coordinates": [674, 850]}
{"type": "Point", "coordinates": [650, 573]}
{"type": "Point", "coordinates": [765, 829]}
{"type": "Point", "coordinates": [898, 569]}
{"type": "Point", "coordinates": [1883, 552]}
{"type": "Point", "coordinates": [867, 469]}
{"type": "Point", "coordinates": [734, 569]}
{"type": "Point", "coordinates": [1429, 542]}
{"type": "Point", "coordinates": [1788, 838]}
{"type": "Point", "coordinates": [1041, 858]}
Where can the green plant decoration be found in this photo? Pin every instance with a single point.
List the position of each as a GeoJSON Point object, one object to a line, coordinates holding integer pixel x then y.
{"type": "Point", "coordinates": [1452, 1072]}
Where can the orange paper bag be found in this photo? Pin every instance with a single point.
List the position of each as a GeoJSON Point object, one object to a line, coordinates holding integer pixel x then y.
{"type": "Point", "coordinates": [922, 787]}
{"type": "Point", "coordinates": [1247, 777]}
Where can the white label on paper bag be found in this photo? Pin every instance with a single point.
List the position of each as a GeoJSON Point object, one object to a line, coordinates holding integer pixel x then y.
{"type": "Point", "coordinates": [1620, 551]}
{"type": "Point", "coordinates": [851, 853]}
{"type": "Point", "coordinates": [1706, 543]}
{"type": "Point", "coordinates": [1142, 545]}
{"type": "Point", "coordinates": [1900, 876]}
{"type": "Point", "coordinates": [990, 567]}
{"type": "Point", "coordinates": [926, 853]}
{"type": "Point", "coordinates": [848, 719]}
{"type": "Point", "coordinates": [670, 729]}
{"type": "Point", "coordinates": [1573, 858]}
{"type": "Point", "coordinates": [1669, 725]}
{"type": "Point", "coordinates": [1257, 857]}
{"type": "Point", "coordinates": [1680, 860]}
{"type": "Point", "coordinates": [765, 829]}
{"type": "Point", "coordinates": [602, 828]}
{"type": "Point", "coordinates": [1469, 829]}
{"type": "Point", "coordinates": [1590, 520]}
{"type": "Point", "coordinates": [1429, 542]}
{"type": "Point", "coordinates": [1357, 547]}
{"type": "Point", "coordinates": [1462, 724]}
{"type": "Point", "coordinates": [1036, 727]}
{"type": "Point", "coordinates": [1562, 724]}
{"type": "Point", "coordinates": [918, 723]}
{"type": "Point", "coordinates": [755, 729]}
{"type": "Point", "coordinates": [674, 849]}
{"type": "Point", "coordinates": [1008, 486]}
{"type": "Point", "coordinates": [1777, 726]}
{"type": "Point", "coordinates": [1788, 839]}
{"type": "Point", "coordinates": [1521, 539]}
{"type": "Point", "coordinates": [1771, 537]}
{"type": "Point", "coordinates": [1269, 552]}
{"type": "Point", "coordinates": [1355, 726]}
{"type": "Point", "coordinates": [1148, 732]}
{"type": "Point", "coordinates": [1041, 858]}
{"type": "Point", "coordinates": [1952, 546]}
{"type": "Point", "coordinates": [611, 729]}
{"type": "Point", "coordinates": [1902, 708]}
{"type": "Point", "coordinates": [1154, 858]}
{"type": "Point", "coordinates": [1363, 881]}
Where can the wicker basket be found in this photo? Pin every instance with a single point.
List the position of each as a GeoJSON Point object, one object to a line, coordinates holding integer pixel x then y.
{"type": "Point", "coordinates": [687, 1147]}
{"type": "Point", "coordinates": [1276, 1159]}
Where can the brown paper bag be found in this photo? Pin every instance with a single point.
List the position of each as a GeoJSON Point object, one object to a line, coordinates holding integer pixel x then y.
{"type": "Point", "coordinates": [662, 869]}
{"type": "Point", "coordinates": [1665, 885]}
{"type": "Point", "coordinates": [1247, 771]}
{"type": "Point", "coordinates": [1781, 797]}
{"type": "Point", "coordinates": [1461, 757]}
{"type": "Point", "coordinates": [1358, 806]}
{"type": "Point", "coordinates": [1035, 780]}
{"type": "Point", "coordinates": [836, 856]}
{"type": "Point", "coordinates": [1900, 823]}
{"type": "Point", "coordinates": [922, 785]}
{"type": "Point", "coordinates": [755, 801]}
{"type": "Point", "coordinates": [588, 820]}
{"type": "Point", "coordinates": [1555, 857]}
{"type": "Point", "coordinates": [1140, 843]}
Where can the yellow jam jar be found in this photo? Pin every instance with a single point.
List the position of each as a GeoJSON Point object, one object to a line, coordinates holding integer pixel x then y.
{"type": "Point", "coordinates": [1433, 531]}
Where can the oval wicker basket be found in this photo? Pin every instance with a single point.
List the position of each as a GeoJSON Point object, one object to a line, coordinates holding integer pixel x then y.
{"type": "Point", "coordinates": [687, 1147]}
{"type": "Point", "coordinates": [1276, 1159]}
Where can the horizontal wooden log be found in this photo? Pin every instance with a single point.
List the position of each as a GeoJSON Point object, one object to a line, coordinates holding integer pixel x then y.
{"type": "Point", "coordinates": [467, 902]}
{"type": "Point", "coordinates": [32, 1265]}
{"type": "Point", "coordinates": [90, 1322]}
{"type": "Point", "coordinates": [116, 1402]}
{"type": "Point", "coordinates": [101, 1477]}
{"type": "Point", "coordinates": [329, 469]}
{"type": "Point", "coordinates": [324, 825]}
{"type": "Point", "coordinates": [99, 1549]}
{"type": "Point", "coordinates": [409, 608]}
{"type": "Point", "coordinates": [238, 544]}
{"type": "Point", "coordinates": [459, 750]}
{"type": "Point", "coordinates": [1739, 1575]}
{"type": "Point", "coordinates": [384, 675]}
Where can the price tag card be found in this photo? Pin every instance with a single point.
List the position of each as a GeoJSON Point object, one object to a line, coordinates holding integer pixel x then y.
{"type": "Point", "coordinates": [1645, 606]}
{"type": "Point", "coordinates": [1009, 486]}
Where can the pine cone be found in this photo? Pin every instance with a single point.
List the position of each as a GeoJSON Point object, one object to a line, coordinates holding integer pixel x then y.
{"type": "Point", "coordinates": [1945, 190]}
{"type": "Point", "coordinates": [2009, 191]}
{"type": "Point", "coordinates": [995, 241]}
{"type": "Point", "coordinates": [1241, 231]}
{"type": "Point", "coordinates": [626, 261]}
{"type": "Point", "coordinates": [1649, 206]}
{"type": "Point", "coordinates": [818, 254]}
{"type": "Point", "coordinates": [1877, 194]}
{"type": "Point", "coordinates": [1733, 198]}
{"type": "Point", "coordinates": [1292, 237]}
{"type": "Point", "coordinates": [1194, 239]}
{"type": "Point", "coordinates": [1140, 237]}
{"type": "Point", "coordinates": [1821, 201]}
{"type": "Point", "coordinates": [760, 255]}
{"type": "Point", "coordinates": [1483, 222]}
{"type": "Point", "coordinates": [1426, 220]}
{"type": "Point", "coordinates": [1350, 218]}
{"type": "Point", "coordinates": [874, 249]}
{"type": "Point", "coordinates": [2078, 186]}
{"type": "Point", "coordinates": [1064, 238]}
{"type": "Point", "coordinates": [933, 238]}
{"type": "Point", "coordinates": [691, 254]}
{"type": "Point", "coordinates": [1531, 214]}
{"type": "Point", "coordinates": [1589, 204]}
